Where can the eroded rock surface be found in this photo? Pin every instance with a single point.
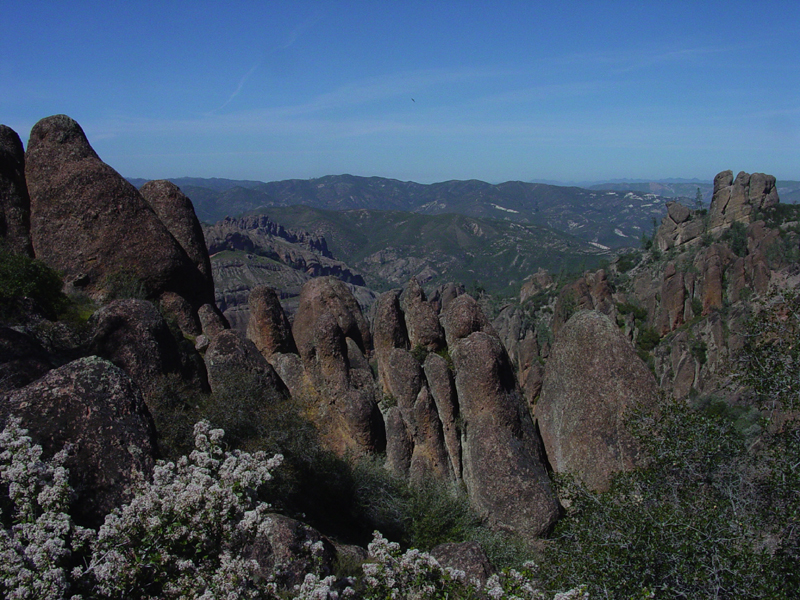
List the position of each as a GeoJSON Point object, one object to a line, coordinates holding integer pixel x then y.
{"type": "Point", "coordinates": [593, 380]}
{"type": "Point", "coordinates": [94, 408]}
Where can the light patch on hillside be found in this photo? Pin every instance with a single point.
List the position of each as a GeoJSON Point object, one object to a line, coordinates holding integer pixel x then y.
{"type": "Point", "coordinates": [619, 233]}
{"type": "Point", "coordinates": [498, 207]}
{"type": "Point", "coordinates": [596, 245]}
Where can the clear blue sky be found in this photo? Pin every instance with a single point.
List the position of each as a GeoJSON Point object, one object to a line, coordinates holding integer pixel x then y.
{"type": "Point", "coordinates": [267, 90]}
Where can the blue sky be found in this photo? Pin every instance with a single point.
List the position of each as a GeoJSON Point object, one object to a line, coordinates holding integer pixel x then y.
{"type": "Point", "coordinates": [421, 91]}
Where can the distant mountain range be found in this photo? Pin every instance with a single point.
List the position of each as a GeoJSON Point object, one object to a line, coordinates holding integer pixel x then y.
{"type": "Point", "coordinates": [610, 218]}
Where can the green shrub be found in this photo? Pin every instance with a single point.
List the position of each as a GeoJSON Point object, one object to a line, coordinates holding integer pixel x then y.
{"type": "Point", "coordinates": [22, 276]}
{"type": "Point", "coordinates": [736, 237]}
{"type": "Point", "coordinates": [627, 261]}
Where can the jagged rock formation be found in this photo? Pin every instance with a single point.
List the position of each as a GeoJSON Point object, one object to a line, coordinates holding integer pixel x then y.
{"type": "Point", "coordinates": [254, 250]}
{"type": "Point", "coordinates": [593, 379]}
{"type": "Point", "coordinates": [93, 407]}
{"type": "Point", "coordinates": [15, 204]}
{"type": "Point", "coordinates": [733, 201]}
{"type": "Point", "coordinates": [460, 418]}
{"type": "Point", "coordinates": [91, 224]}
{"type": "Point", "coordinates": [739, 199]}
{"type": "Point", "coordinates": [333, 340]}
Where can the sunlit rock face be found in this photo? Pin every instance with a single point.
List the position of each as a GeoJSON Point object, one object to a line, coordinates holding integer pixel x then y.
{"type": "Point", "coordinates": [593, 380]}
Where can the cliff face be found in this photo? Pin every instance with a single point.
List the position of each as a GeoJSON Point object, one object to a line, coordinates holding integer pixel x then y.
{"type": "Point", "coordinates": [254, 250]}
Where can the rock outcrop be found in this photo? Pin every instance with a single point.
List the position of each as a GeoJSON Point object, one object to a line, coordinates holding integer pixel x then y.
{"type": "Point", "coordinates": [268, 328]}
{"type": "Point", "coordinates": [593, 380]}
{"type": "Point", "coordinates": [95, 409]}
{"type": "Point", "coordinates": [88, 222]}
{"type": "Point", "coordinates": [333, 340]}
{"type": "Point", "coordinates": [504, 466]}
{"type": "Point", "coordinates": [232, 360]}
{"type": "Point", "coordinates": [736, 200]}
{"type": "Point", "coordinates": [134, 336]}
{"type": "Point", "coordinates": [15, 204]}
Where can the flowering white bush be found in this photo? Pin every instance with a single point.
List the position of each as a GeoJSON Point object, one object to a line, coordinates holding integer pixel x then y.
{"type": "Point", "coordinates": [183, 536]}
{"type": "Point", "coordinates": [183, 533]}
{"type": "Point", "coordinates": [38, 538]}
{"type": "Point", "coordinates": [416, 575]}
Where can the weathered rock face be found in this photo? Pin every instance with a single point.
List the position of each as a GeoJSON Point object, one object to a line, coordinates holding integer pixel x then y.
{"type": "Point", "coordinates": [176, 212]}
{"type": "Point", "coordinates": [333, 339]}
{"type": "Point", "coordinates": [90, 223]}
{"type": "Point", "coordinates": [97, 409]}
{"type": "Point", "coordinates": [590, 292]}
{"type": "Point", "coordinates": [737, 199]}
{"type": "Point", "coordinates": [134, 336]}
{"type": "Point", "coordinates": [326, 295]}
{"type": "Point", "coordinates": [593, 379]}
{"type": "Point", "coordinates": [680, 225]}
{"type": "Point", "coordinates": [462, 317]}
{"type": "Point", "coordinates": [422, 322]}
{"type": "Point", "coordinates": [268, 328]}
{"type": "Point", "coordinates": [230, 357]}
{"type": "Point", "coordinates": [465, 556]}
{"type": "Point", "coordinates": [15, 204]}
{"type": "Point", "coordinates": [502, 456]}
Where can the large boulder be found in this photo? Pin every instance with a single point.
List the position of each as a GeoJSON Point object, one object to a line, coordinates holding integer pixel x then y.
{"type": "Point", "coordinates": [503, 460]}
{"type": "Point", "coordinates": [463, 316]}
{"type": "Point", "coordinates": [134, 336]}
{"type": "Point", "coordinates": [176, 212]}
{"type": "Point", "coordinates": [422, 321]}
{"type": "Point", "coordinates": [288, 549]}
{"type": "Point", "coordinates": [327, 295]}
{"type": "Point", "coordinates": [15, 204]}
{"type": "Point", "coordinates": [593, 379]}
{"type": "Point", "coordinates": [88, 222]}
{"type": "Point", "coordinates": [231, 357]}
{"type": "Point", "coordinates": [96, 410]}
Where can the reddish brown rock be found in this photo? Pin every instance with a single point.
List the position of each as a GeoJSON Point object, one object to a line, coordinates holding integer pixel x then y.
{"type": "Point", "coordinates": [738, 200]}
{"type": "Point", "coordinates": [464, 556]}
{"type": "Point", "coordinates": [399, 445]}
{"type": "Point", "coordinates": [134, 336]}
{"type": "Point", "coordinates": [15, 204]}
{"type": "Point", "coordinates": [96, 409]}
{"type": "Point", "coordinates": [88, 222]}
{"type": "Point", "coordinates": [442, 388]}
{"type": "Point", "coordinates": [593, 379]}
{"type": "Point", "coordinates": [503, 460]}
{"type": "Point", "coordinates": [327, 295]}
{"type": "Point", "coordinates": [673, 299]}
{"type": "Point", "coordinates": [268, 328]}
{"type": "Point", "coordinates": [422, 322]}
{"type": "Point", "coordinates": [345, 403]}
{"type": "Point", "coordinates": [462, 317]}
{"type": "Point", "coordinates": [176, 212]}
